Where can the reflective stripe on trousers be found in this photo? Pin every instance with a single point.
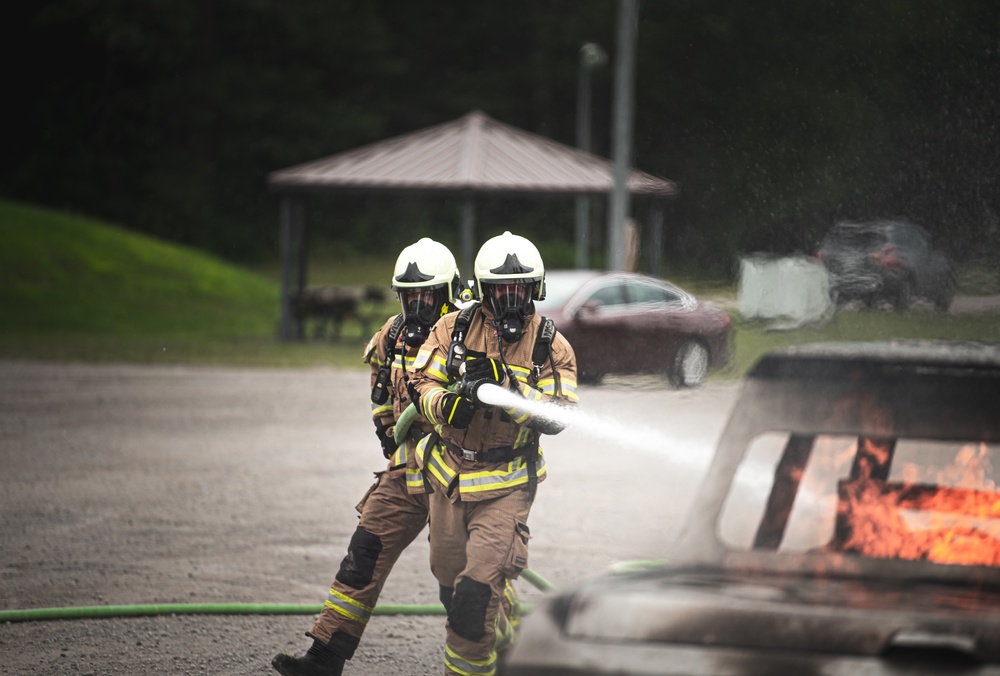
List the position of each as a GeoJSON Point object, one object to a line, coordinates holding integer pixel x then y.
{"type": "Point", "coordinates": [348, 607]}
{"type": "Point", "coordinates": [456, 664]}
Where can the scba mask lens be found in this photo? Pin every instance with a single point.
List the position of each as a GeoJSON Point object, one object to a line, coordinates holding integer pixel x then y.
{"type": "Point", "coordinates": [509, 302]}
{"type": "Point", "coordinates": [421, 308]}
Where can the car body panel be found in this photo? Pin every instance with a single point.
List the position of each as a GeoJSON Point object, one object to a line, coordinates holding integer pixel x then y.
{"type": "Point", "coordinates": [690, 622]}
{"type": "Point", "coordinates": [783, 612]}
{"type": "Point", "coordinates": [628, 323]}
{"type": "Point", "coordinates": [766, 604]}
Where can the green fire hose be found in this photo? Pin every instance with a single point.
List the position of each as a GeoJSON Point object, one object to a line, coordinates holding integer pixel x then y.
{"type": "Point", "coordinates": [406, 418]}
{"type": "Point", "coordinates": [143, 610]}
{"type": "Point", "coordinates": [404, 422]}
{"type": "Point", "coordinates": [90, 612]}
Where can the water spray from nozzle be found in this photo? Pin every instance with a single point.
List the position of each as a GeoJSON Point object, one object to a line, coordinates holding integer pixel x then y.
{"type": "Point", "coordinates": [619, 433]}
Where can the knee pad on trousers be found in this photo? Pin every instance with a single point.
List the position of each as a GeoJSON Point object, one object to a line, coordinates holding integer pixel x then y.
{"type": "Point", "coordinates": [358, 566]}
{"type": "Point", "coordinates": [467, 615]}
{"type": "Point", "coordinates": [446, 594]}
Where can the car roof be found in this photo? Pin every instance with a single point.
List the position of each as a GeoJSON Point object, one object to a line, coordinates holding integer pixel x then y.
{"type": "Point", "coordinates": [573, 276]}
{"type": "Point", "coordinates": [881, 225]}
{"type": "Point", "coordinates": [827, 360]}
{"type": "Point", "coordinates": [581, 277]}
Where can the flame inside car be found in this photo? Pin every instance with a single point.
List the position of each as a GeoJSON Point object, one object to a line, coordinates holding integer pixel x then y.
{"type": "Point", "coordinates": [874, 497]}
{"type": "Point", "coordinates": [953, 524]}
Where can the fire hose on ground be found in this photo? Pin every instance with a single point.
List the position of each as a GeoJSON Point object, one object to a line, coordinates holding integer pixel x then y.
{"type": "Point", "coordinates": [144, 610]}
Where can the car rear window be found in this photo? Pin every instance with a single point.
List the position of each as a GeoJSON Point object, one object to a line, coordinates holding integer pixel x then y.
{"type": "Point", "coordinates": [647, 293]}
{"type": "Point", "coordinates": [911, 499]}
{"type": "Point", "coordinates": [861, 239]}
{"type": "Point", "coordinates": [612, 294]}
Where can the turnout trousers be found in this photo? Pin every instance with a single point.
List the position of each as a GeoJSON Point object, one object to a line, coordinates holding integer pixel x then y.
{"type": "Point", "coordinates": [477, 548]}
{"type": "Point", "coordinates": [390, 520]}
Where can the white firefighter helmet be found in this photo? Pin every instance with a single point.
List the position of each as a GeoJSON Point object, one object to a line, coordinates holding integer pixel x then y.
{"type": "Point", "coordinates": [427, 264]}
{"type": "Point", "coordinates": [509, 258]}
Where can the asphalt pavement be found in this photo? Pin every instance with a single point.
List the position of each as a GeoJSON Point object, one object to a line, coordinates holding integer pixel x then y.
{"type": "Point", "coordinates": [126, 485]}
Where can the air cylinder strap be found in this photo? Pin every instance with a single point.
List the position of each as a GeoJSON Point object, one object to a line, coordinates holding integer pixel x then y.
{"type": "Point", "coordinates": [380, 390]}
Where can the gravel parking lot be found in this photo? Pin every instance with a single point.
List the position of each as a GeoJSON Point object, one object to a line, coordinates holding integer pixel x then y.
{"type": "Point", "coordinates": [150, 485]}
{"type": "Point", "coordinates": [125, 485]}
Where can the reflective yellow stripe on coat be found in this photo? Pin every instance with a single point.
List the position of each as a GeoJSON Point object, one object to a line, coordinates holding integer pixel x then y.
{"type": "Point", "coordinates": [514, 473]}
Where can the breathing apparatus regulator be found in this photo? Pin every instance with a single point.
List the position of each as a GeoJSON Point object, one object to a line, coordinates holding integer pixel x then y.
{"type": "Point", "coordinates": [427, 283]}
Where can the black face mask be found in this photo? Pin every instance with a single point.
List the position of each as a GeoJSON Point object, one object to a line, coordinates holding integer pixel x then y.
{"type": "Point", "coordinates": [420, 311]}
{"type": "Point", "coordinates": [510, 310]}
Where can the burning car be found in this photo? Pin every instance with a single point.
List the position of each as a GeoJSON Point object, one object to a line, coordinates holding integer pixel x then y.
{"type": "Point", "coordinates": [849, 523]}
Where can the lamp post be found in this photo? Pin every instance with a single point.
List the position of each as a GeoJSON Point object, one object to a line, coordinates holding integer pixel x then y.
{"type": "Point", "coordinates": [591, 56]}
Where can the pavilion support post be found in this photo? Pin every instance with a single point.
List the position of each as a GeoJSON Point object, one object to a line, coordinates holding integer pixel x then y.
{"type": "Point", "coordinates": [468, 236]}
{"type": "Point", "coordinates": [582, 235]}
{"type": "Point", "coordinates": [293, 267]}
{"type": "Point", "coordinates": [655, 238]}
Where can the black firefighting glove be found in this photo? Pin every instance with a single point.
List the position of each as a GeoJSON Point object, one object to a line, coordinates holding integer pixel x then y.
{"type": "Point", "coordinates": [472, 391]}
{"type": "Point", "coordinates": [485, 368]}
{"type": "Point", "coordinates": [458, 411]}
{"type": "Point", "coordinates": [384, 432]}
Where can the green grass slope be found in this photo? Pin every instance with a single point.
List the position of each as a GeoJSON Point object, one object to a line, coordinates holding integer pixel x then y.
{"type": "Point", "coordinates": [65, 273]}
{"type": "Point", "coordinates": [78, 289]}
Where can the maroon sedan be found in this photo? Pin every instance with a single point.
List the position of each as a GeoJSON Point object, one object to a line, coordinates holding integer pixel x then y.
{"type": "Point", "coordinates": [621, 322]}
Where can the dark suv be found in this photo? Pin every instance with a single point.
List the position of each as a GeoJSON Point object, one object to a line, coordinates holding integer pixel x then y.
{"type": "Point", "coordinates": [885, 261]}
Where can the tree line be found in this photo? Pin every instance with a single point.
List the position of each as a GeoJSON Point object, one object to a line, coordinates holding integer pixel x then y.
{"type": "Point", "coordinates": [775, 118]}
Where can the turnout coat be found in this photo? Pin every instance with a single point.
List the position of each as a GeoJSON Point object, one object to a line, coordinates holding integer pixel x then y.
{"type": "Point", "coordinates": [458, 461]}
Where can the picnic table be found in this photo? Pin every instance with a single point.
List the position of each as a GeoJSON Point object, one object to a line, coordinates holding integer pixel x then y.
{"type": "Point", "coordinates": [326, 308]}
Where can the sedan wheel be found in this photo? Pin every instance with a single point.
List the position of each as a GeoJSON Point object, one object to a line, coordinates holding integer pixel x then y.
{"type": "Point", "coordinates": [690, 365]}
{"type": "Point", "coordinates": [904, 296]}
{"type": "Point", "coordinates": [945, 294]}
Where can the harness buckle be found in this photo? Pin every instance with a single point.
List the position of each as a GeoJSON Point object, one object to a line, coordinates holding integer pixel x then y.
{"type": "Point", "coordinates": [469, 455]}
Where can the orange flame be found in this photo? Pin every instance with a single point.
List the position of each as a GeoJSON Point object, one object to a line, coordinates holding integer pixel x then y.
{"type": "Point", "coordinates": [954, 520]}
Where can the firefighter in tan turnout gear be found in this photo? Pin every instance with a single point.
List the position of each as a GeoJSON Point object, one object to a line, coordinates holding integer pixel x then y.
{"type": "Point", "coordinates": [483, 461]}
{"type": "Point", "coordinates": [395, 509]}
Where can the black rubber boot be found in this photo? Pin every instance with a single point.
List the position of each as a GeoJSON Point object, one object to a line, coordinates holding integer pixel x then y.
{"type": "Point", "coordinates": [318, 661]}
